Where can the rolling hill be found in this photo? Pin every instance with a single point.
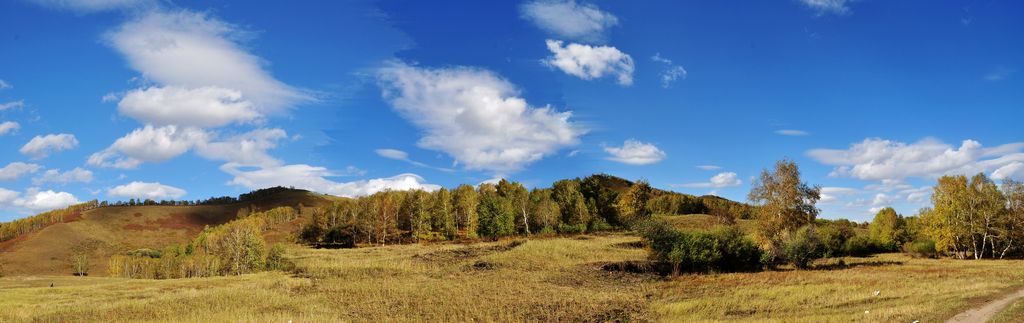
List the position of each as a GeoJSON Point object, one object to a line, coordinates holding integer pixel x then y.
{"type": "Point", "coordinates": [112, 229]}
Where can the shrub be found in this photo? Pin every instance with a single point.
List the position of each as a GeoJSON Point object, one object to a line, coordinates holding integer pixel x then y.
{"type": "Point", "coordinates": [859, 246]}
{"type": "Point", "coordinates": [834, 237]}
{"type": "Point", "coordinates": [803, 247]}
{"type": "Point", "coordinates": [739, 252]}
{"type": "Point", "coordinates": [694, 252]}
{"type": "Point", "coordinates": [921, 248]}
{"type": "Point", "coordinates": [599, 224]}
{"type": "Point", "coordinates": [572, 228]}
{"type": "Point", "coordinates": [722, 249]}
{"type": "Point", "coordinates": [339, 237]}
{"type": "Point", "coordinates": [276, 259]}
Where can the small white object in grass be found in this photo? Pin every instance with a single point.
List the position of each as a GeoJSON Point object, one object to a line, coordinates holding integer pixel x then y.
{"type": "Point", "coordinates": [866, 312]}
{"type": "Point", "coordinates": [878, 292]}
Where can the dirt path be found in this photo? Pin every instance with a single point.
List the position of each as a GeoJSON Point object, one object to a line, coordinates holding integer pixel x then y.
{"type": "Point", "coordinates": [986, 312]}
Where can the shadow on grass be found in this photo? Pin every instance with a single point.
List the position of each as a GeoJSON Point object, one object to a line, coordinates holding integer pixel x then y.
{"type": "Point", "coordinates": [843, 265]}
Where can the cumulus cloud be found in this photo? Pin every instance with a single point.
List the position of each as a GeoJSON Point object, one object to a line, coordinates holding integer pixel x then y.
{"type": "Point", "coordinates": [315, 178]}
{"type": "Point", "coordinates": [725, 179]}
{"type": "Point", "coordinates": [41, 201]}
{"type": "Point", "coordinates": [634, 152]}
{"type": "Point", "coordinates": [144, 190]}
{"type": "Point", "coordinates": [7, 197]}
{"type": "Point", "coordinates": [590, 62]}
{"type": "Point", "coordinates": [569, 19]}
{"type": "Point", "coordinates": [248, 149]}
{"type": "Point", "coordinates": [9, 127]}
{"type": "Point", "coordinates": [90, 6]}
{"type": "Point", "coordinates": [17, 169]}
{"type": "Point", "coordinates": [791, 132]}
{"type": "Point", "coordinates": [12, 105]}
{"type": "Point", "coordinates": [148, 144]}
{"type": "Point", "coordinates": [206, 106]}
{"type": "Point", "coordinates": [879, 159]}
{"type": "Point", "coordinates": [476, 116]}
{"type": "Point", "coordinates": [823, 7]}
{"type": "Point", "coordinates": [671, 72]}
{"type": "Point", "coordinates": [158, 144]}
{"type": "Point", "coordinates": [193, 51]}
{"type": "Point", "coordinates": [41, 146]}
{"type": "Point", "coordinates": [56, 176]}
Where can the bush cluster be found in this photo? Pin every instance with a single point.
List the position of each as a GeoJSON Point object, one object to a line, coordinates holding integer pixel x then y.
{"type": "Point", "coordinates": [724, 249]}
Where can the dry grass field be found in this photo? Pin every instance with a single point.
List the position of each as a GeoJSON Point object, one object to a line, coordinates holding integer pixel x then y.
{"type": "Point", "coordinates": [553, 279]}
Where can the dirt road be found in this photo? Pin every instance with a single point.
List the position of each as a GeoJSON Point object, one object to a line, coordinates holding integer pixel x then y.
{"type": "Point", "coordinates": [988, 310]}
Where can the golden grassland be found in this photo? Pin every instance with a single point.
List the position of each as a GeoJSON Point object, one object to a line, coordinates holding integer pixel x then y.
{"type": "Point", "coordinates": [1013, 313]}
{"type": "Point", "coordinates": [553, 279]}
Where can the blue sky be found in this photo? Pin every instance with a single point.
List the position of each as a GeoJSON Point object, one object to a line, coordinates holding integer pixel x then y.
{"type": "Point", "coordinates": [114, 99]}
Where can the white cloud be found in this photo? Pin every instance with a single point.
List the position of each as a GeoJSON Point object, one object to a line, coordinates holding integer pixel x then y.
{"type": "Point", "coordinates": [392, 154]}
{"type": "Point", "coordinates": [56, 176]}
{"type": "Point", "coordinates": [831, 194]}
{"type": "Point", "coordinates": [475, 116]}
{"type": "Point", "coordinates": [41, 201]}
{"type": "Point", "coordinates": [12, 105]}
{"type": "Point", "coordinates": [709, 167]}
{"type": "Point", "coordinates": [41, 146]}
{"type": "Point", "coordinates": [878, 159]}
{"type": "Point", "coordinates": [144, 190]}
{"type": "Point", "coordinates": [634, 152]}
{"type": "Point", "coordinates": [200, 107]}
{"type": "Point", "coordinates": [17, 169]}
{"type": "Point", "coordinates": [7, 197]}
{"type": "Point", "coordinates": [89, 6]}
{"type": "Point", "coordinates": [315, 179]}
{"type": "Point", "coordinates": [590, 62]}
{"type": "Point", "coordinates": [148, 144]}
{"type": "Point", "coordinates": [158, 144]}
{"type": "Point", "coordinates": [726, 179]}
{"type": "Point", "coordinates": [4, 85]}
{"type": "Point", "coordinates": [248, 149]}
{"type": "Point", "coordinates": [1014, 170]}
{"type": "Point", "coordinates": [999, 74]}
{"type": "Point", "coordinates": [791, 132]}
{"type": "Point", "coordinates": [9, 127]}
{"type": "Point", "coordinates": [193, 50]}
{"type": "Point", "coordinates": [838, 7]}
{"type": "Point", "coordinates": [671, 72]}
{"type": "Point", "coordinates": [569, 19]}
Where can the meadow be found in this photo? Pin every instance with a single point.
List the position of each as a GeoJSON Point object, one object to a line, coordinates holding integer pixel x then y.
{"type": "Point", "coordinates": [540, 279]}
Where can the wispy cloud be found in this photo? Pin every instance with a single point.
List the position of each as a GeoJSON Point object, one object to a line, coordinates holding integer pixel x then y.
{"type": "Point", "coordinates": [792, 132]}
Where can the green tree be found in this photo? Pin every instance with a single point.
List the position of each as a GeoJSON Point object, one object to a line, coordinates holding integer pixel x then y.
{"type": "Point", "coordinates": [464, 203]}
{"type": "Point", "coordinates": [1013, 225]}
{"type": "Point", "coordinates": [886, 230]}
{"type": "Point", "coordinates": [632, 204]}
{"type": "Point", "coordinates": [496, 214]}
{"type": "Point", "coordinates": [546, 213]}
{"type": "Point", "coordinates": [517, 194]}
{"type": "Point", "coordinates": [968, 216]}
{"type": "Point", "coordinates": [570, 201]}
{"type": "Point", "coordinates": [785, 204]}
{"type": "Point", "coordinates": [442, 215]}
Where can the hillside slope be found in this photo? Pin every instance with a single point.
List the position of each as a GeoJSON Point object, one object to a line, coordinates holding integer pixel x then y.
{"type": "Point", "coordinates": [105, 231]}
